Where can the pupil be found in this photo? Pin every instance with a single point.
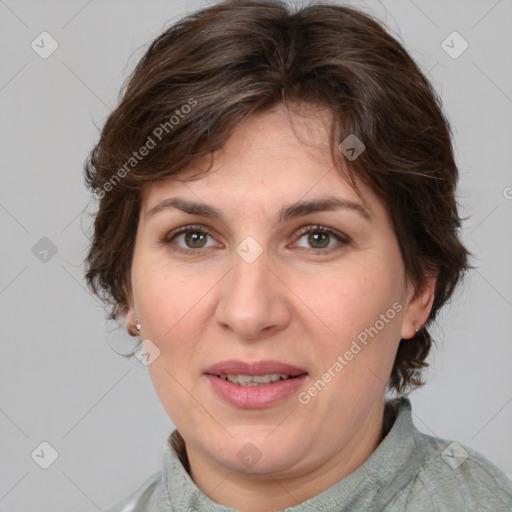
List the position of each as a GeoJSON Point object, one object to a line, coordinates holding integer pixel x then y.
{"type": "Point", "coordinates": [193, 238]}
{"type": "Point", "coordinates": [313, 238]}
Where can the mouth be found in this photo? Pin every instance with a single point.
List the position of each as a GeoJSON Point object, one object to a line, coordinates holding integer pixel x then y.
{"type": "Point", "coordinates": [255, 372]}
{"type": "Point", "coordinates": [254, 384]}
{"type": "Point", "coordinates": [255, 380]}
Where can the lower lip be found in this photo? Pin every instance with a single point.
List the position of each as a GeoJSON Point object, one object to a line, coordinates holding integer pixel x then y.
{"type": "Point", "coordinates": [263, 395]}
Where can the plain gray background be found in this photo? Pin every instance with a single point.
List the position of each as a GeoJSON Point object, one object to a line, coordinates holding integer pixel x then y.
{"type": "Point", "coordinates": [61, 382]}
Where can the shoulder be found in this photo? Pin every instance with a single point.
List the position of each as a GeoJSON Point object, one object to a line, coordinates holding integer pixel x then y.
{"type": "Point", "coordinates": [149, 497]}
{"type": "Point", "coordinates": [456, 477]}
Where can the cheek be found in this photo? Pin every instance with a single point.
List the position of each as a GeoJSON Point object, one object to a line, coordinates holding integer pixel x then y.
{"type": "Point", "coordinates": [356, 317]}
{"type": "Point", "coordinates": [165, 305]}
{"type": "Point", "coordinates": [173, 309]}
{"type": "Point", "coordinates": [172, 315]}
{"type": "Point", "coordinates": [347, 300]}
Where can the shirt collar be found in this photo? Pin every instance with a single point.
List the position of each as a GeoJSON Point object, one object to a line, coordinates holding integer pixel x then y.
{"type": "Point", "coordinates": [392, 464]}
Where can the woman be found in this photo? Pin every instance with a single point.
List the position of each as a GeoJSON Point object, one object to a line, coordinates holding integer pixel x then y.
{"type": "Point", "coordinates": [277, 222]}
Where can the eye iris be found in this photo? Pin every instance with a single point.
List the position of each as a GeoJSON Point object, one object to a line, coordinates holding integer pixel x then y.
{"type": "Point", "coordinates": [313, 239]}
{"type": "Point", "coordinates": [193, 237]}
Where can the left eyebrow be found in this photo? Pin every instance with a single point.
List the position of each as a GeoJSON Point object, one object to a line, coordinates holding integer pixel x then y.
{"type": "Point", "coordinates": [298, 209]}
{"type": "Point", "coordinates": [302, 208]}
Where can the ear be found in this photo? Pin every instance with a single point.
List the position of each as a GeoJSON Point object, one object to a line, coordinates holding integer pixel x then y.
{"type": "Point", "coordinates": [131, 316]}
{"type": "Point", "coordinates": [417, 308]}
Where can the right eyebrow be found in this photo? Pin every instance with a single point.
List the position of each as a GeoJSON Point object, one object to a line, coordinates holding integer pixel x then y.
{"type": "Point", "coordinates": [191, 207]}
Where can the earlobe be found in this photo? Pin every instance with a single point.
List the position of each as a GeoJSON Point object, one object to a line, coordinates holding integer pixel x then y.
{"type": "Point", "coordinates": [418, 308]}
{"type": "Point", "coordinates": [131, 322]}
{"type": "Point", "coordinates": [130, 314]}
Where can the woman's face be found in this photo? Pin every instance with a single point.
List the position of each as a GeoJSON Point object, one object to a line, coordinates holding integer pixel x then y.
{"type": "Point", "coordinates": [254, 288]}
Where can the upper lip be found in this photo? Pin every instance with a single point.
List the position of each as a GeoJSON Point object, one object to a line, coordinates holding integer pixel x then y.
{"type": "Point", "coordinates": [237, 367]}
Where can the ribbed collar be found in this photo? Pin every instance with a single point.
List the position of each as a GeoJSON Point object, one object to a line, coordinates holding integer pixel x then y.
{"type": "Point", "coordinates": [393, 463]}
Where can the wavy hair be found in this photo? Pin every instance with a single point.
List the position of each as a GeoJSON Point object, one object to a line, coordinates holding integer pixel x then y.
{"type": "Point", "coordinates": [216, 67]}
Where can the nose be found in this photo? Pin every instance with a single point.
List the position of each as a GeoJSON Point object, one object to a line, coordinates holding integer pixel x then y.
{"type": "Point", "coordinates": [253, 301]}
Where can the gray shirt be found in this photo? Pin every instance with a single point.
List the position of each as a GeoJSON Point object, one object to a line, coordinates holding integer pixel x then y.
{"type": "Point", "coordinates": [408, 471]}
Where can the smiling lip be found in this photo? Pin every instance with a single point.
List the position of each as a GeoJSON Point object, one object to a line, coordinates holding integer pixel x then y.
{"type": "Point", "coordinates": [263, 395]}
{"type": "Point", "coordinates": [237, 367]}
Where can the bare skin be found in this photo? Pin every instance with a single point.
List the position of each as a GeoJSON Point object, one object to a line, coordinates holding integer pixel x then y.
{"type": "Point", "coordinates": [302, 301]}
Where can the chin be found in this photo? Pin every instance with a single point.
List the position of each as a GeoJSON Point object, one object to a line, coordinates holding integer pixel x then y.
{"type": "Point", "coordinates": [259, 455]}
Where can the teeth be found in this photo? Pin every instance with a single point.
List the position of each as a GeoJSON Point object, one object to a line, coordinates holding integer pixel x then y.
{"type": "Point", "coordinates": [254, 380]}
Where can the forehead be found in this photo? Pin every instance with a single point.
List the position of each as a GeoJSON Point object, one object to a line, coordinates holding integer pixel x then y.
{"type": "Point", "coordinates": [276, 156]}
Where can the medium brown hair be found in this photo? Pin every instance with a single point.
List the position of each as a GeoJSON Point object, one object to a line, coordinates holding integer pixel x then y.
{"type": "Point", "coordinates": [216, 67]}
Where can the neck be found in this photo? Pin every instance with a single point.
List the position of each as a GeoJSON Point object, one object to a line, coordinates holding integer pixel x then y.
{"type": "Point", "coordinates": [248, 493]}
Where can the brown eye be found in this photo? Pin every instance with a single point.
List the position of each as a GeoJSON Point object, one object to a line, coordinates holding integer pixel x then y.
{"type": "Point", "coordinates": [188, 239]}
{"type": "Point", "coordinates": [195, 239]}
{"type": "Point", "coordinates": [318, 240]}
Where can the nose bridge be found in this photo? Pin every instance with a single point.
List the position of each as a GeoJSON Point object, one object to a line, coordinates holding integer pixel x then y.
{"type": "Point", "coordinates": [252, 299]}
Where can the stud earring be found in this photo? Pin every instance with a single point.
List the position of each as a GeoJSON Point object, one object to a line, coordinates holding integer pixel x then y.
{"type": "Point", "coordinates": [137, 326]}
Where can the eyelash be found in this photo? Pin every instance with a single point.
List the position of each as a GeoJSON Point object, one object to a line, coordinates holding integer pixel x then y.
{"type": "Point", "coordinates": [341, 238]}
